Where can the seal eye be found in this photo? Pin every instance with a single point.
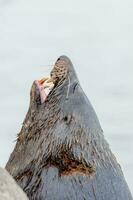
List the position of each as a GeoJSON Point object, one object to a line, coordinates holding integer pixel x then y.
{"type": "Point", "coordinates": [58, 59]}
{"type": "Point", "coordinates": [65, 118]}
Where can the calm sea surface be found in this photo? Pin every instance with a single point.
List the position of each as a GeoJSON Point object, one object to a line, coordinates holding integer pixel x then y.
{"type": "Point", "coordinates": [97, 36]}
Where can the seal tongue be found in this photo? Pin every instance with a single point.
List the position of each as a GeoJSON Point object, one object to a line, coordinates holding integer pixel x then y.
{"type": "Point", "coordinates": [44, 85]}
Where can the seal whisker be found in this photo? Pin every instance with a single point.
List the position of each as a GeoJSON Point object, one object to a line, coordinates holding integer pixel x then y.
{"type": "Point", "coordinates": [68, 87]}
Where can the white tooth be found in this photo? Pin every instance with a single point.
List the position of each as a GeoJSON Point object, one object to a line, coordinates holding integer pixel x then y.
{"type": "Point", "coordinates": [44, 79]}
{"type": "Point", "coordinates": [50, 80]}
{"type": "Point", "coordinates": [47, 81]}
{"type": "Point", "coordinates": [48, 84]}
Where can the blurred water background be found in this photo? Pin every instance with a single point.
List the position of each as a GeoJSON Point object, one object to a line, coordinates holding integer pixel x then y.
{"type": "Point", "coordinates": [97, 36]}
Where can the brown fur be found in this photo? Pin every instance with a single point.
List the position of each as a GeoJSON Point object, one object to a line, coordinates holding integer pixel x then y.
{"type": "Point", "coordinates": [59, 71]}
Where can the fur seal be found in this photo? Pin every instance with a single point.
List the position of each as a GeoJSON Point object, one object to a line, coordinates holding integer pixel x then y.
{"type": "Point", "coordinates": [61, 153]}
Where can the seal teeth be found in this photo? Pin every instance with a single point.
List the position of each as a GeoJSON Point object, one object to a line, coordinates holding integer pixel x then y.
{"type": "Point", "coordinates": [48, 84]}
{"type": "Point", "coordinates": [50, 80]}
{"type": "Point", "coordinates": [43, 80]}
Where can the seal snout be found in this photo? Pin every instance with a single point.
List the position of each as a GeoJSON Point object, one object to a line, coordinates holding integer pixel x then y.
{"type": "Point", "coordinates": [60, 69]}
{"type": "Point", "coordinates": [58, 73]}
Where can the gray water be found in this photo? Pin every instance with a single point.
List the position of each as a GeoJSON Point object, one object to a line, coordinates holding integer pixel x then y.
{"type": "Point", "coordinates": [97, 36]}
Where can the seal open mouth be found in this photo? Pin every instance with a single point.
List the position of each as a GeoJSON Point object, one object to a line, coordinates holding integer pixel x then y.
{"type": "Point", "coordinates": [58, 73]}
{"type": "Point", "coordinates": [44, 85]}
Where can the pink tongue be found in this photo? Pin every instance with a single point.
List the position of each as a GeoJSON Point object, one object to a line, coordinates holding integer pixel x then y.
{"type": "Point", "coordinates": [43, 94]}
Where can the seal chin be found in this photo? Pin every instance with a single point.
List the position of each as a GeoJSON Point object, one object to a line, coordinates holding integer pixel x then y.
{"type": "Point", "coordinates": [58, 73]}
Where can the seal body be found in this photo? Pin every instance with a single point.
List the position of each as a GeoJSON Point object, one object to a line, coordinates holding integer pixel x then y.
{"type": "Point", "coordinates": [61, 153]}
